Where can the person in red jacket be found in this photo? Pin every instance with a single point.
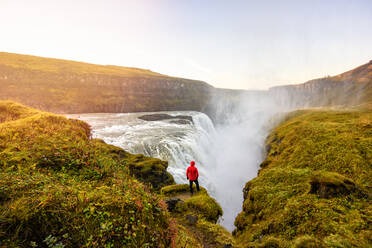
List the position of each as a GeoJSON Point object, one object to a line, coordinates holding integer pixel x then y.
{"type": "Point", "coordinates": [192, 175]}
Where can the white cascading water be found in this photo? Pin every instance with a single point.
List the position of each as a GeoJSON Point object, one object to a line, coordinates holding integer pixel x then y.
{"type": "Point", "coordinates": [227, 154]}
{"type": "Point", "coordinates": [237, 149]}
{"type": "Point", "coordinates": [176, 143]}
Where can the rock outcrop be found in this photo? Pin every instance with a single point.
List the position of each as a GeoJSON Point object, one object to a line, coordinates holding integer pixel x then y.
{"type": "Point", "coordinates": [179, 119]}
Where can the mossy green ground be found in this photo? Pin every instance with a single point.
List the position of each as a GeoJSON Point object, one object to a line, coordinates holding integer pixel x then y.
{"type": "Point", "coordinates": [177, 189]}
{"type": "Point", "coordinates": [36, 63]}
{"type": "Point", "coordinates": [314, 188]}
{"type": "Point", "coordinates": [205, 232]}
{"type": "Point", "coordinates": [200, 203]}
{"type": "Point", "coordinates": [61, 188]}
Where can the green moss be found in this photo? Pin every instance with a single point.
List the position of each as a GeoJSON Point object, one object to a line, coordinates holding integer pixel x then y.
{"type": "Point", "coordinates": [185, 239]}
{"type": "Point", "coordinates": [200, 202]}
{"type": "Point", "coordinates": [151, 171]}
{"type": "Point", "coordinates": [179, 189]}
{"type": "Point", "coordinates": [307, 241]}
{"type": "Point", "coordinates": [215, 233]}
{"type": "Point", "coordinates": [58, 185]}
{"type": "Point", "coordinates": [315, 181]}
{"type": "Point", "coordinates": [206, 206]}
{"type": "Point", "coordinates": [338, 241]}
{"type": "Point", "coordinates": [206, 212]}
{"type": "Point", "coordinates": [10, 111]}
{"type": "Point", "coordinates": [330, 184]}
{"type": "Point", "coordinates": [271, 242]}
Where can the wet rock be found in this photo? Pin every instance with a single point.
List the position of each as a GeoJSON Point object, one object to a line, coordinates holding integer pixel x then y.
{"type": "Point", "coordinates": [181, 122]}
{"type": "Point", "coordinates": [161, 117]}
{"type": "Point", "coordinates": [268, 148]}
{"type": "Point", "coordinates": [155, 117]}
{"type": "Point", "coordinates": [265, 163]}
{"type": "Point", "coordinates": [246, 189]}
{"type": "Point", "coordinates": [191, 219]}
{"type": "Point", "coordinates": [172, 203]}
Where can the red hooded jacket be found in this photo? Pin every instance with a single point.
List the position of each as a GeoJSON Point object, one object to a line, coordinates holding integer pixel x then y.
{"type": "Point", "coordinates": [192, 172]}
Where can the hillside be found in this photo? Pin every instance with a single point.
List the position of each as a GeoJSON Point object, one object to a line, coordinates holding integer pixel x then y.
{"type": "Point", "coordinates": [62, 86]}
{"type": "Point", "coordinates": [57, 182]}
{"type": "Point", "coordinates": [314, 188]}
{"type": "Point", "coordinates": [350, 89]}
{"type": "Point", "coordinates": [61, 188]}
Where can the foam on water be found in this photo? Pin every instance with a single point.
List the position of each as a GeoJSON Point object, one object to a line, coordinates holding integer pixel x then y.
{"type": "Point", "coordinates": [176, 143]}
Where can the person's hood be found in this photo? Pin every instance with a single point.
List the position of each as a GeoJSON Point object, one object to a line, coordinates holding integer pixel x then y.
{"type": "Point", "coordinates": [192, 163]}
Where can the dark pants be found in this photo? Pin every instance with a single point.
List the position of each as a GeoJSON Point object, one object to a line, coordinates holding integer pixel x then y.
{"type": "Point", "coordinates": [197, 186]}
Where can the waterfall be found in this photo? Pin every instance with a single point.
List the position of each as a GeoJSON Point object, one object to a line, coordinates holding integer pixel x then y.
{"type": "Point", "coordinates": [175, 143]}
{"type": "Point", "coordinates": [227, 154]}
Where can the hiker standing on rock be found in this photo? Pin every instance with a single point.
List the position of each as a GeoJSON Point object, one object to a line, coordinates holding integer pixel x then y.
{"type": "Point", "coordinates": [192, 175]}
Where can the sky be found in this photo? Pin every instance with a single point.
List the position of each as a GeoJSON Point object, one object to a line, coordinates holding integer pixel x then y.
{"type": "Point", "coordinates": [238, 44]}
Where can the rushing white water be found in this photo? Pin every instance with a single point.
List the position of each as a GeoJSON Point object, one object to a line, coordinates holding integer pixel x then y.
{"type": "Point", "coordinates": [237, 149]}
{"type": "Point", "coordinates": [227, 155]}
{"type": "Point", "coordinates": [178, 144]}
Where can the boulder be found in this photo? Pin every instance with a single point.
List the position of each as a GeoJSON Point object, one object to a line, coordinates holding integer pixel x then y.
{"type": "Point", "coordinates": [182, 119]}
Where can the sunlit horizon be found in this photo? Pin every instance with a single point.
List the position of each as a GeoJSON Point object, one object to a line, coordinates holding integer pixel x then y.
{"type": "Point", "coordinates": [239, 45]}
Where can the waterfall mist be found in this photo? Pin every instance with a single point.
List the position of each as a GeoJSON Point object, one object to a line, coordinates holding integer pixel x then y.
{"type": "Point", "coordinates": [242, 123]}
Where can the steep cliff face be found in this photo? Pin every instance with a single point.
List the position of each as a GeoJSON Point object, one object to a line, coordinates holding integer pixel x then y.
{"type": "Point", "coordinates": [314, 188]}
{"type": "Point", "coordinates": [348, 89]}
{"type": "Point", "coordinates": [72, 87]}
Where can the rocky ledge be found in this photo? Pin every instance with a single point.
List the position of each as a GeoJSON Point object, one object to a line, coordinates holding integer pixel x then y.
{"type": "Point", "coordinates": [177, 119]}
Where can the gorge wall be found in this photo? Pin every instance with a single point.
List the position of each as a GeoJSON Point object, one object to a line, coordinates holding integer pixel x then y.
{"type": "Point", "coordinates": [62, 86]}
{"type": "Point", "coordinates": [349, 89]}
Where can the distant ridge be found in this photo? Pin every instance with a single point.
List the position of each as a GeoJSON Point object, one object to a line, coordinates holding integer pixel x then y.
{"type": "Point", "coordinates": [64, 86]}
{"type": "Point", "coordinates": [61, 65]}
{"type": "Point", "coordinates": [349, 89]}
